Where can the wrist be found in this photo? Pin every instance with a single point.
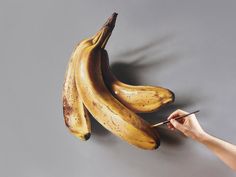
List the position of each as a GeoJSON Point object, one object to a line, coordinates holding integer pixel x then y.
{"type": "Point", "coordinates": [203, 137]}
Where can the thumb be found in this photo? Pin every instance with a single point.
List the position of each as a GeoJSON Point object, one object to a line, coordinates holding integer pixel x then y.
{"type": "Point", "coordinates": [177, 125]}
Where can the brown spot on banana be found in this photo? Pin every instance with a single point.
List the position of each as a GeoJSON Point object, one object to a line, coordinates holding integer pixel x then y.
{"type": "Point", "coordinates": [67, 109]}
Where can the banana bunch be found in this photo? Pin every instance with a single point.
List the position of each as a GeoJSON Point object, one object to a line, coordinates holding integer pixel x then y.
{"type": "Point", "coordinates": [90, 86]}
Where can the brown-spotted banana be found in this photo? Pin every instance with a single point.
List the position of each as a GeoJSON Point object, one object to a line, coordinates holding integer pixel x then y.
{"type": "Point", "coordinates": [104, 107]}
{"type": "Point", "coordinates": [140, 99]}
{"type": "Point", "coordinates": [76, 115]}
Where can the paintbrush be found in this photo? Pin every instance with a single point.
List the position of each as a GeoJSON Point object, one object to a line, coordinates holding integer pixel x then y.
{"type": "Point", "coordinates": [177, 118]}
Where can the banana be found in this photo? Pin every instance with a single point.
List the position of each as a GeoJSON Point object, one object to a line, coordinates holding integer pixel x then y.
{"type": "Point", "coordinates": [140, 99]}
{"type": "Point", "coordinates": [104, 107]}
{"type": "Point", "coordinates": [76, 115]}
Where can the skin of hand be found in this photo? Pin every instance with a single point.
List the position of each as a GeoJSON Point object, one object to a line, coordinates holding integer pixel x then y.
{"type": "Point", "coordinates": [189, 126]}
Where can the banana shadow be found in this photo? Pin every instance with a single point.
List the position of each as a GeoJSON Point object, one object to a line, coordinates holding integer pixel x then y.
{"type": "Point", "coordinates": [130, 72]}
{"type": "Point", "coordinates": [97, 128]}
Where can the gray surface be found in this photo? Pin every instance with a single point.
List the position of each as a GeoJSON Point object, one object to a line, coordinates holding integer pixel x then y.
{"type": "Point", "coordinates": [192, 53]}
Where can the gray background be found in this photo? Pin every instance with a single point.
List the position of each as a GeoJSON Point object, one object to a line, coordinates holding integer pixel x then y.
{"type": "Point", "coordinates": [187, 46]}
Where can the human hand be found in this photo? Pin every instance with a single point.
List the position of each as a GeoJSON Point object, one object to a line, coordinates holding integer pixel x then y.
{"type": "Point", "coordinates": [189, 125]}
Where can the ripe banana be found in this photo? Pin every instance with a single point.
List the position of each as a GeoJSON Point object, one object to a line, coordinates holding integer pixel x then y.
{"type": "Point", "coordinates": [76, 115]}
{"type": "Point", "coordinates": [108, 111]}
{"type": "Point", "coordinates": [140, 99]}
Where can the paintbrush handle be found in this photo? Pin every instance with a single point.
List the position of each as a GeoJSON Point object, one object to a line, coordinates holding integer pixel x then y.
{"type": "Point", "coordinates": [177, 118]}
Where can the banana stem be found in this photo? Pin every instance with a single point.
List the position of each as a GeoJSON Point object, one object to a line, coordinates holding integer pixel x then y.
{"type": "Point", "coordinates": [106, 30]}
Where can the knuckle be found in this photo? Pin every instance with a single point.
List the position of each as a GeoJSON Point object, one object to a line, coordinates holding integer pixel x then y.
{"type": "Point", "coordinates": [178, 111]}
{"type": "Point", "coordinates": [182, 111]}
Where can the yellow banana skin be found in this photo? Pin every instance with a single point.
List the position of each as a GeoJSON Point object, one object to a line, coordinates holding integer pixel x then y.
{"type": "Point", "coordinates": [105, 108]}
{"type": "Point", "coordinates": [140, 99]}
{"type": "Point", "coordinates": [76, 115]}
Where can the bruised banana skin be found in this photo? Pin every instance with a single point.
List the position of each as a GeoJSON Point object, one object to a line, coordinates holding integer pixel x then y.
{"type": "Point", "coordinates": [140, 99]}
{"type": "Point", "coordinates": [76, 115]}
{"type": "Point", "coordinates": [105, 108]}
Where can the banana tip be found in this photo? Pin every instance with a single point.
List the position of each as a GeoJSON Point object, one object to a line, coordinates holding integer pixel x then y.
{"type": "Point", "coordinates": [114, 14]}
{"type": "Point", "coordinates": [173, 96]}
{"type": "Point", "coordinates": [111, 21]}
{"type": "Point", "coordinates": [158, 143]}
{"type": "Point", "coordinates": [87, 136]}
